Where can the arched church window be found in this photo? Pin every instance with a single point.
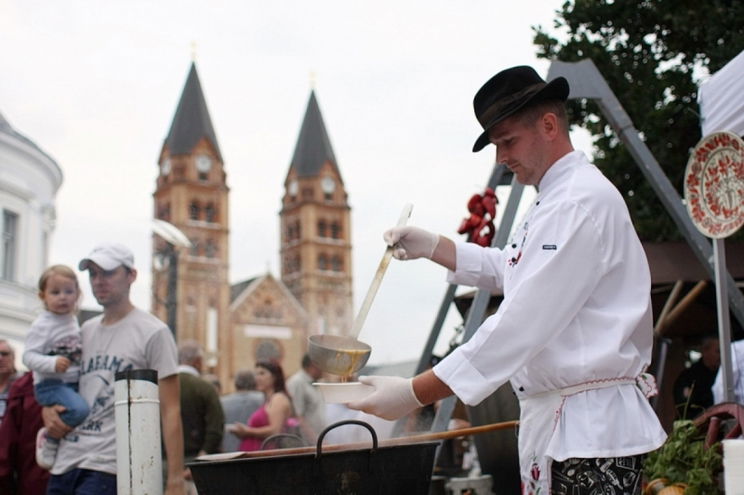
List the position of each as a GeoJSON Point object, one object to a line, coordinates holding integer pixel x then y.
{"type": "Point", "coordinates": [268, 350]}
{"type": "Point", "coordinates": [194, 210]}
{"type": "Point", "coordinates": [210, 213]}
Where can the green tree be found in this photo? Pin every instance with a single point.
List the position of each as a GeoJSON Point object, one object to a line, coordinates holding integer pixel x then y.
{"type": "Point", "coordinates": [653, 54]}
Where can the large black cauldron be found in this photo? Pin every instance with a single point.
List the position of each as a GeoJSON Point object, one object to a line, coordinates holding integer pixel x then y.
{"type": "Point", "coordinates": [404, 469]}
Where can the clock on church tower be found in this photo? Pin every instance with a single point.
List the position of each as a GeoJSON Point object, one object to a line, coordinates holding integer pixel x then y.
{"type": "Point", "coordinates": [316, 233]}
{"type": "Point", "coordinates": [195, 200]}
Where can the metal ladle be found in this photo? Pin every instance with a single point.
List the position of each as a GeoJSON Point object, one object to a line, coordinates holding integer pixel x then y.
{"type": "Point", "coordinates": [345, 355]}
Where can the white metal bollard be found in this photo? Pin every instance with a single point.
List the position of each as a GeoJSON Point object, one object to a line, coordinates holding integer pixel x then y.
{"type": "Point", "coordinates": [138, 451]}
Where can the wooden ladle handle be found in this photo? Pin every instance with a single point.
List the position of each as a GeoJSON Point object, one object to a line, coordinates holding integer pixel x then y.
{"type": "Point", "coordinates": [377, 280]}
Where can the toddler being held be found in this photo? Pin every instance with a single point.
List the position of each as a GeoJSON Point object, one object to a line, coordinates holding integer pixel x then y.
{"type": "Point", "coordinates": [53, 350]}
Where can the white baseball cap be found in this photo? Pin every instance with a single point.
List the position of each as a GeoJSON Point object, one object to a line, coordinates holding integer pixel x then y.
{"type": "Point", "coordinates": [108, 256]}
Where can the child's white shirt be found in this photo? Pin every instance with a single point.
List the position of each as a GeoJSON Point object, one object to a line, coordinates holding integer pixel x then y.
{"type": "Point", "coordinates": [52, 335]}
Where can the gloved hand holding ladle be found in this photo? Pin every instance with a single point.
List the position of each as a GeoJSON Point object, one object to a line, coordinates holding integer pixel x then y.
{"type": "Point", "coordinates": [345, 355]}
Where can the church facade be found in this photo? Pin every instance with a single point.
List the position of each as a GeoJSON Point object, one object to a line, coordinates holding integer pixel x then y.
{"type": "Point", "coordinates": [264, 317]}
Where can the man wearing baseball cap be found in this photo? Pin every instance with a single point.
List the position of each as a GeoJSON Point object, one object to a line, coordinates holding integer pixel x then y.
{"type": "Point", "coordinates": [573, 334]}
{"type": "Point", "coordinates": [108, 256]}
{"type": "Point", "coordinates": [123, 337]}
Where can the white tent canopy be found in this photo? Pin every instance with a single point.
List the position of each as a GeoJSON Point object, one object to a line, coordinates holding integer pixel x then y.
{"type": "Point", "coordinates": [721, 99]}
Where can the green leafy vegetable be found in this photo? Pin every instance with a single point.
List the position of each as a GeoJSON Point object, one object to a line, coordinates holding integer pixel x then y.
{"type": "Point", "coordinates": [684, 459]}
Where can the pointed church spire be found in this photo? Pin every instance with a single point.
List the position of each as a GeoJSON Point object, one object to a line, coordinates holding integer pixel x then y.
{"type": "Point", "coordinates": [191, 122]}
{"type": "Point", "coordinates": [313, 146]}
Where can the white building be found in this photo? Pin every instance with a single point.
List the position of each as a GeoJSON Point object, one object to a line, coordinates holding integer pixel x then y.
{"type": "Point", "coordinates": [29, 180]}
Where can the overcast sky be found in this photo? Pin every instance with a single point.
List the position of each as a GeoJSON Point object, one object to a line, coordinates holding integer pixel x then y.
{"type": "Point", "coordinates": [96, 84]}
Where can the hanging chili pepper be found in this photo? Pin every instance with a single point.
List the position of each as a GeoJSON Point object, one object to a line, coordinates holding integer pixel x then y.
{"type": "Point", "coordinates": [479, 225]}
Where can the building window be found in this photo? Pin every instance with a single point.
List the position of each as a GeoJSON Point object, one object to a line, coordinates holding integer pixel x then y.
{"type": "Point", "coordinates": [194, 210]}
{"type": "Point", "coordinates": [335, 230]}
{"type": "Point", "coordinates": [10, 241]}
{"type": "Point", "coordinates": [322, 262]}
{"type": "Point", "coordinates": [270, 310]}
{"type": "Point", "coordinates": [268, 350]}
{"type": "Point", "coordinates": [210, 213]}
{"type": "Point", "coordinates": [336, 264]}
{"type": "Point", "coordinates": [322, 229]}
{"type": "Point", "coordinates": [210, 249]}
{"type": "Point", "coordinates": [195, 247]}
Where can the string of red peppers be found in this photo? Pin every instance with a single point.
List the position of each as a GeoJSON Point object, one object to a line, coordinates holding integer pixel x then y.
{"type": "Point", "coordinates": [479, 225]}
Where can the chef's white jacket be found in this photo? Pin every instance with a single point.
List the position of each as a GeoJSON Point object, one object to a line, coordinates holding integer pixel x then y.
{"type": "Point", "coordinates": [576, 312]}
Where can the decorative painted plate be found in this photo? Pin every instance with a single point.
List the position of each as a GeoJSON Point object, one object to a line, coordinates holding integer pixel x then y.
{"type": "Point", "coordinates": [714, 185]}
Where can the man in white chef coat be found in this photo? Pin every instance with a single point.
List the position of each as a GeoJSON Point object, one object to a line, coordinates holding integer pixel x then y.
{"type": "Point", "coordinates": [574, 331]}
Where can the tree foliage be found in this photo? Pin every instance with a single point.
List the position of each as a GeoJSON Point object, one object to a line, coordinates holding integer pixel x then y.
{"type": "Point", "coordinates": [653, 54]}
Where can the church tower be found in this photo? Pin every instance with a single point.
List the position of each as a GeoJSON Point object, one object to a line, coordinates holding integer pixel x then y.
{"type": "Point", "coordinates": [315, 221]}
{"type": "Point", "coordinates": [192, 195]}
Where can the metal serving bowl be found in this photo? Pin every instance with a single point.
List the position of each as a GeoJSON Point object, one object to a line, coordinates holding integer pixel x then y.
{"type": "Point", "coordinates": [338, 355]}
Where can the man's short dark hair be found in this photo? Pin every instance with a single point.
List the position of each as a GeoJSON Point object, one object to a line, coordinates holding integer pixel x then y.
{"type": "Point", "coordinates": [530, 114]}
{"type": "Point", "coordinates": [189, 351]}
{"type": "Point", "coordinates": [306, 361]}
{"type": "Point", "coordinates": [245, 380]}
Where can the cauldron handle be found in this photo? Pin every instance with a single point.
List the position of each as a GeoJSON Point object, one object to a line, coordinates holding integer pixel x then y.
{"type": "Point", "coordinates": [319, 448]}
{"type": "Point", "coordinates": [279, 436]}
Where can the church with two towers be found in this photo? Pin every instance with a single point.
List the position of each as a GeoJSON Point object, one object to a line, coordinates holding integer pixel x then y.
{"type": "Point", "coordinates": [264, 317]}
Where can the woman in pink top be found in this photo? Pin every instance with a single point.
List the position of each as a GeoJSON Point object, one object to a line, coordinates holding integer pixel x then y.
{"type": "Point", "coordinates": [272, 416]}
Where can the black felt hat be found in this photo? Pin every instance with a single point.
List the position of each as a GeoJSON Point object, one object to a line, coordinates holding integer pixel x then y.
{"type": "Point", "coordinates": [509, 91]}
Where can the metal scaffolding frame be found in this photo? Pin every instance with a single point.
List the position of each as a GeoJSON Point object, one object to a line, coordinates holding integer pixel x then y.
{"type": "Point", "coordinates": [586, 81]}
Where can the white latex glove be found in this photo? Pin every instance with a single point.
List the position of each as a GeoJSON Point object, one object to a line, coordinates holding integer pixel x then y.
{"type": "Point", "coordinates": [410, 243]}
{"type": "Point", "coordinates": [393, 397]}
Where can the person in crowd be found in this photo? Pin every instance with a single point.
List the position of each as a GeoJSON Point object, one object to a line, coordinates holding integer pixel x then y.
{"type": "Point", "coordinates": [274, 414]}
{"type": "Point", "coordinates": [8, 373]}
{"type": "Point", "coordinates": [123, 337]}
{"type": "Point", "coordinates": [239, 406]}
{"type": "Point", "coordinates": [693, 391]}
{"type": "Point", "coordinates": [52, 352]}
{"type": "Point", "coordinates": [573, 333]}
{"type": "Point", "coordinates": [737, 364]}
{"type": "Point", "coordinates": [19, 472]}
{"type": "Point", "coordinates": [201, 412]}
{"type": "Point", "coordinates": [307, 400]}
